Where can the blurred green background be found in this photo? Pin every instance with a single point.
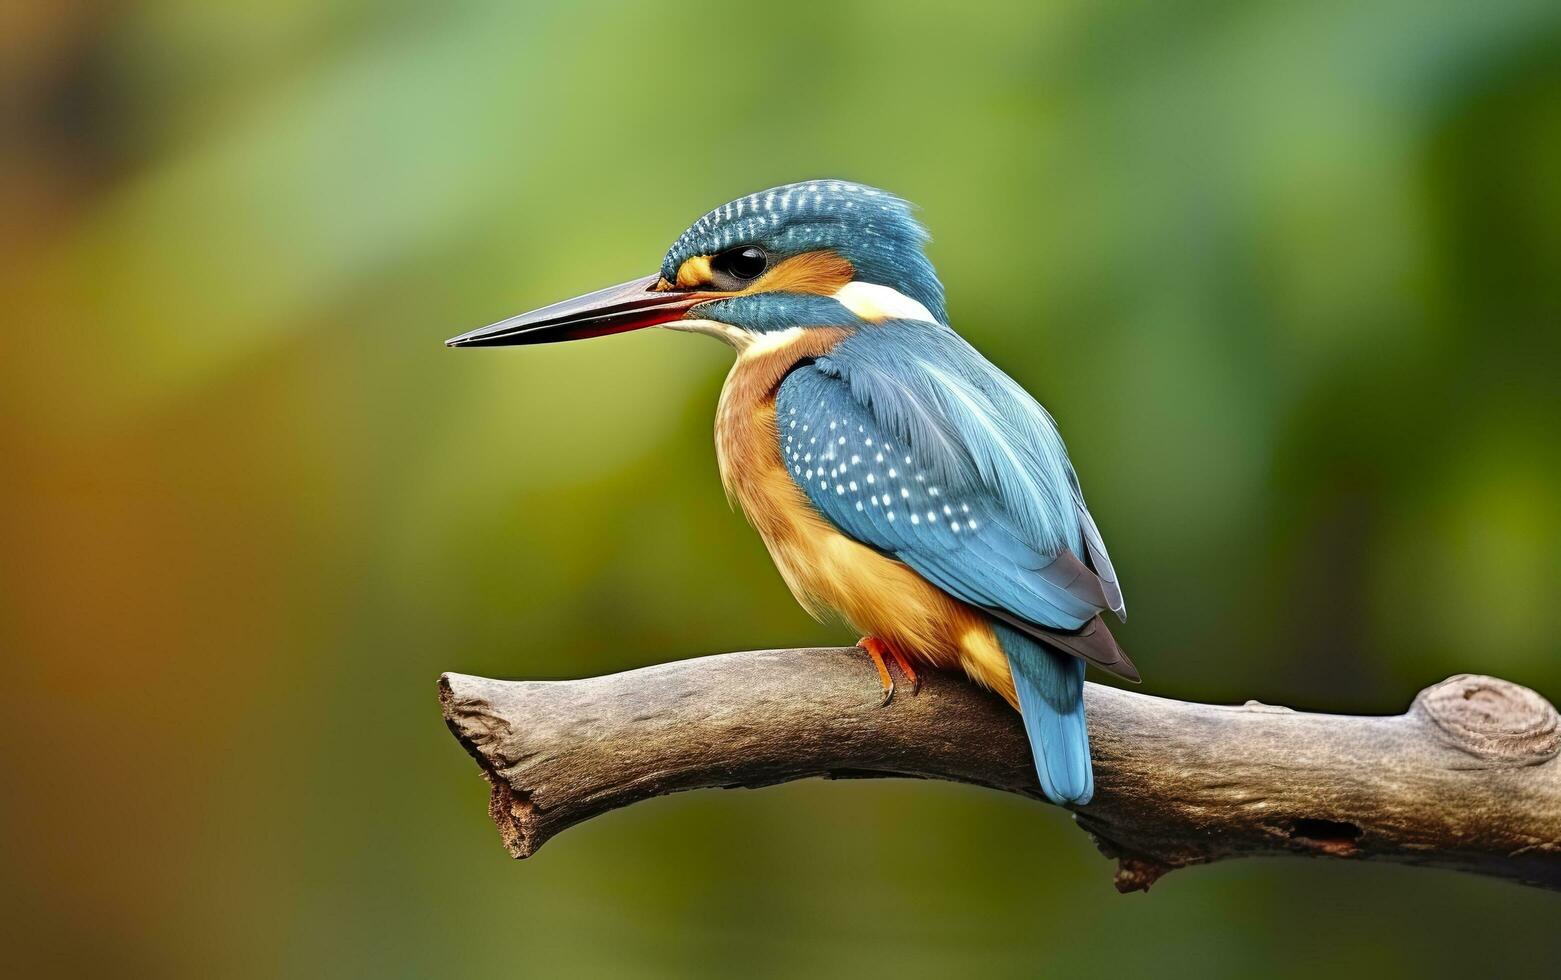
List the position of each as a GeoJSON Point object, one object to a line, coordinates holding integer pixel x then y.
{"type": "Point", "coordinates": [1287, 275]}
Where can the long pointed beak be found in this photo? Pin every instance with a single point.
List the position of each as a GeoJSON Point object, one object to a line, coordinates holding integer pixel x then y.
{"type": "Point", "coordinates": [627, 306]}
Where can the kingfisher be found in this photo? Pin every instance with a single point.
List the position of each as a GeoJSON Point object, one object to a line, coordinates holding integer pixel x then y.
{"type": "Point", "coordinates": [898, 478]}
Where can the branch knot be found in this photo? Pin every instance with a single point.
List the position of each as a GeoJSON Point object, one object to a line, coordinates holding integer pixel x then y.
{"type": "Point", "coordinates": [1492, 719]}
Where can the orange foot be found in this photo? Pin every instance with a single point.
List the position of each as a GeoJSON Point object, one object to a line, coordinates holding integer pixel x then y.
{"type": "Point", "coordinates": [876, 648]}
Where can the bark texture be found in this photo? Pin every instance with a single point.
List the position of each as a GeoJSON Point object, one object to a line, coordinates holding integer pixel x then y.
{"type": "Point", "coordinates": [1467, 778]}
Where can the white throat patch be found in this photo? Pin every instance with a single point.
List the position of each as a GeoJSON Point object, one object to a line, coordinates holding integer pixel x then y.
{"type": "Point", "coordinates": [869, 301]}
{"type": "Point", "coordinates": [872, 303]}
{"type": "Point", "coordinates": [736, 337]}
{"type": "Point", "coordinates": [747, 343]}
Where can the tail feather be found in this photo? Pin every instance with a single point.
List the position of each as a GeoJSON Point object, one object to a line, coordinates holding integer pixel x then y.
{"type": "Point", "coordinates": [1051, 701]}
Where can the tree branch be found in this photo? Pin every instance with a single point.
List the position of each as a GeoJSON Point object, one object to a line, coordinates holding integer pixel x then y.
{"type": "Point", "coordinates": [1466, 779]}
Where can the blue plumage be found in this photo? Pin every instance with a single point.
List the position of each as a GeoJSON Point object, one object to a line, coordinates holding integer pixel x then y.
{"type": "Point", "coordinates": [907, 440]}
{"type": "Point", "coordinates": [1051, 701]}
{"type": "Point", "coordinates": [970, 424]}
{"type": "Point", "coordinates": [881, 486]}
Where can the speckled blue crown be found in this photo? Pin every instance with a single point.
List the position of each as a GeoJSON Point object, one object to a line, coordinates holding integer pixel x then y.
{"type": "Point", "coordinates": [874, 230]}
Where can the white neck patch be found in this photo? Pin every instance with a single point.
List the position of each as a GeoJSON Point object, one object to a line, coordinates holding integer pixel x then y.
{"type": "Point", "coordinates": [873, 302]}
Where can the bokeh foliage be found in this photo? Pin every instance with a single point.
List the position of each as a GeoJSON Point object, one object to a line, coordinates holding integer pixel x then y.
{"type": "Point", "coordinates": [1287, 275]}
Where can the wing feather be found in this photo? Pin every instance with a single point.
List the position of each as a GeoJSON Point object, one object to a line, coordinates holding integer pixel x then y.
{"type": "Point", "coordinates": [928, 466]}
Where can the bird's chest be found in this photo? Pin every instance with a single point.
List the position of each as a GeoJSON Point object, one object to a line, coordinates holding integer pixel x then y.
{"type": "Point", "coordinates": [824, 569]}
{"type": "Point", "coordinates": [755, 477]}
{"type": "Point", "coordinates": [813, 557]}
{"type": "Point", "coordinates": [821, 566]}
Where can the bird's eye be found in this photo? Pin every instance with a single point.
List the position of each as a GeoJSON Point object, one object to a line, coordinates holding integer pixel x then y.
{"type": "Point", "coordinates": [738, 266]}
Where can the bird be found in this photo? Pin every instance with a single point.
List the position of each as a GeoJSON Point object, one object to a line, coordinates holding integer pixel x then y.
{"type": "Point", "coordinates": [898, 478]}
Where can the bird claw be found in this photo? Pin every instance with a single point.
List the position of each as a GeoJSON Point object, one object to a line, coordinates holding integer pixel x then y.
{"type": "Point", "coordinates": [876, 648]}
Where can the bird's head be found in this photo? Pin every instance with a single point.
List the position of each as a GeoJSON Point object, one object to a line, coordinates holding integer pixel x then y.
{"type": "Point", "coordinates": [821, 253]}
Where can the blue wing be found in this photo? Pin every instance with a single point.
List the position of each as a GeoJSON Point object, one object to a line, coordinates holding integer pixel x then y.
{"type": "Point", "coordinates": [909, 441]}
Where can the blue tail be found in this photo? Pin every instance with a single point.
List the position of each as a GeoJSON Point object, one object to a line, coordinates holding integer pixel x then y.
{"type": "Point", "coordinates": [1051, 699]}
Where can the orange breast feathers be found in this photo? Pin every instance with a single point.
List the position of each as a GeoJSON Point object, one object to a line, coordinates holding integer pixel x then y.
{"type": "Point", "coordinates": [825, 570]}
